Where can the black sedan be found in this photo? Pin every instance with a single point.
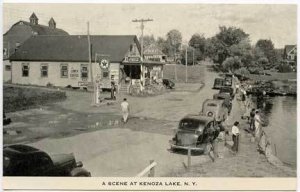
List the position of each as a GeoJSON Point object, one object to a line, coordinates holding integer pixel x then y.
{"type": "Point", "coordinates": [194, 132]}
{"type": "Point", "coordinates": [24, 160]}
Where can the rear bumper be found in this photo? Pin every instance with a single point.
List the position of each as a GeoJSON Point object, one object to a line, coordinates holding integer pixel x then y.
{"type": "Point", "coordinates": [193, 148]}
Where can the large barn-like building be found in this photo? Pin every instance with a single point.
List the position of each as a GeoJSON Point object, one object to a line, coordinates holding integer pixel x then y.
{"type": "Point", "coordinates": [64, 61]}
{"type": "Point", "coordinates": [22, 31]}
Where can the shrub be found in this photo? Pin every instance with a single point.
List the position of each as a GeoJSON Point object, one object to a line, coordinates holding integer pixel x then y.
{"type": "Point", "coordinates": [284, 68]}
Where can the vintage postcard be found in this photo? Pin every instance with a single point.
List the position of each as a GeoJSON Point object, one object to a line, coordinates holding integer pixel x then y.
{"type": "Point", "coordinates": [149, 97]}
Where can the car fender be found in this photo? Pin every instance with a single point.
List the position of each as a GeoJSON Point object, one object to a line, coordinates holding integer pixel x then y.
{"type": "Point", "coordinates": [80, 172]}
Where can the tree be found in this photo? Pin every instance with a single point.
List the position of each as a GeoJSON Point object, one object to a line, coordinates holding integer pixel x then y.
{"type": "Point", "coordinates": [231, 35]}
{"type": "Point", "coordinates": [232, 63]}
{"type": "Point", "coordinates": [162, 44]}
{"type": "Point", "coordinates": [229, 42]}
{"type": "Point", "coordinates": [148, 40]}
{"type": "Point", "coordinates": [174, 40]}
{"type": "Point", "coordinates": [266, 47]}
{"type": "Point", "coordinates": [197, 42]}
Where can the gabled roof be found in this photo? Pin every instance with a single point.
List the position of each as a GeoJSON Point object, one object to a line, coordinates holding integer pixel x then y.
{"type": "Point", "coordinates": [52, 21]}
{"type": "Point", "coordinates": [153, 49]}
{"type": "Point", "coordinates": [33, 16]}
{"type": "Point", "coordinates": [289, 48]}
{"type": "Point", "coordinates": [41, 29]}
{"type": "Point", "coordinates": [74, 48]}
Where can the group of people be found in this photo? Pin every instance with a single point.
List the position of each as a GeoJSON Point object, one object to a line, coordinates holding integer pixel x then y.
{"type": "Point", "coordinates": [254, 118]}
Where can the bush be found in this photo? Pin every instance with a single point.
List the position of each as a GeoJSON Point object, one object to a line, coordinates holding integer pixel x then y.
{"type": "Point", "coordinates": [284, 68]}
{"type": "Point", "coordinates": [232, 63]}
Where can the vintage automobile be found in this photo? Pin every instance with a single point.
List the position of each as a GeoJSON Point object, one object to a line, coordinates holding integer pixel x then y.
{"type": "Point", "coordinates": [24, 160]}
{"type": "Point", "coordinates": [227, 100]}
{"type": "Point", "coordinates": [218, 83]}
{"type": "Point", "coordinates": [227, 90]}
{"type": "Point", "coordinates": [215, 108]}
{"type": "Point", "coordinates": [168, 83]}
{"type": "Point", "coordinates": [228, 79]}
{"type": "Point", "coordinates": [194, 132]}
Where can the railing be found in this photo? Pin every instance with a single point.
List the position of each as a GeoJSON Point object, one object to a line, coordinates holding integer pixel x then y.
{"type": "Point", "coordinates": [150, 169]}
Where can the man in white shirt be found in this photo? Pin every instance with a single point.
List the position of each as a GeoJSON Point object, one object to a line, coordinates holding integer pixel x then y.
{"type": "Point", "coordinates": [235, 136]}
{"type": "Point", "coordinates": [125, 110]}
{"type": "Point", "coordinates": [257, 124]}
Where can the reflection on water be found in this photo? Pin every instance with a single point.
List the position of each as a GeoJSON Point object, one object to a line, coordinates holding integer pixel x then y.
{"type": "Point", "coordinates": [282, 128]}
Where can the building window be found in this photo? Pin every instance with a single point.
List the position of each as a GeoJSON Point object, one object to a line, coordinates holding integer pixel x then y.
{"type": "Point", "coordinates": [25, 69]}
{"type": "Point", "coordinates": [44, 70]}
{"type": "Point", "coordinates": [105, 74]}
{"type": "Point", "coordinates": [64, 71]}
{"type": "Point", "coordinates": [7, 68]}
{"type": "Point", "coordinates": [84, 71]}
{"type": "Point", "coordinates": [5, 53]}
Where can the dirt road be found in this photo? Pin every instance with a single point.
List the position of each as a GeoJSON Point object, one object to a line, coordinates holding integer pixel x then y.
{"type": "Point", "coordinates": [97, 137]}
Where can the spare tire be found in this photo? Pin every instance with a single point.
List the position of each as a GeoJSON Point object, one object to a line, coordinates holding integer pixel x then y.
{"type": "Point", "coordinates": [210, 114]}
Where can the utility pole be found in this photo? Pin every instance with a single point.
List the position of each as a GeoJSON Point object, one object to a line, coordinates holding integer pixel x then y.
{"type": "Point", "coordinates": [175, 70]}
{"type": "Point", "coordinates": [90, 64]}
{"type": "Point", "coordinates": [142, 21]}
{"type": "Point", "coordinates": [186, 64]}
{"type": "Point", "coordinates": [193, 56]}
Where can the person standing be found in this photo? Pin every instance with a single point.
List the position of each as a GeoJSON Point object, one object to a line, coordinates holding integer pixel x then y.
{"type": "Point", "coordinates": [257, 124]}
{"type": "Point", "coordinates": [113, 91]}
{"type": "Point", "coordinates": [251, 116]}
{"type": "Point", "coordinates": [125, 110]}
{"type": "Point", "coordinates": [235, 136]}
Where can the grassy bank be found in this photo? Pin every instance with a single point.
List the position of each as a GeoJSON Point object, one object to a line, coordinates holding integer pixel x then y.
{"type": "Point", "coordinates": [273, 76]}
{"type": "Point", "coordinates": [195, 73]}
{"type": "Point", "coordinates": [17, 98]}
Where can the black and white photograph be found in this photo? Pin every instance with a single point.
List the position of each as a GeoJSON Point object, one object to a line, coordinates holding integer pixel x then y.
{"type": "Point", "coordinates": [149, 90]}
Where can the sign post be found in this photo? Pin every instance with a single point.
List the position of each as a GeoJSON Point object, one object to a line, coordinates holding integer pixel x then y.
{"type": "Point", "coordinates": [104, 65]}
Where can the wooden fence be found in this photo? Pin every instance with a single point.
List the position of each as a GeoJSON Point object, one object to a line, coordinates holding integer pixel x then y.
{"type": "Point", "coordinates": [150, 168]}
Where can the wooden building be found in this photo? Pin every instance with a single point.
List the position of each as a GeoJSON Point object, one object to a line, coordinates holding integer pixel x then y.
{"type": "Point", "coordinates": [22, 31]}
{"type": "Point", "coordinates": [64, 61]}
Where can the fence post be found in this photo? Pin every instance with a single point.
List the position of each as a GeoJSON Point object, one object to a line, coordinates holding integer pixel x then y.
{"type": "Point", "coordinates": [275, 149]}
{"type": "Point", "coordinates": [189, 158]}
{"type": "Point", "coordinates": [152, 171]}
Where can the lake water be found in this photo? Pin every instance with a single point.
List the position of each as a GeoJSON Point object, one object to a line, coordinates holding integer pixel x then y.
{"type": "Point", "coordinates": [282, 128]}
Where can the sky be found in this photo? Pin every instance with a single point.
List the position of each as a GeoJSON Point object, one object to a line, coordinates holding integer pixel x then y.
{"type": "Point", "coordinates": [277, 22]}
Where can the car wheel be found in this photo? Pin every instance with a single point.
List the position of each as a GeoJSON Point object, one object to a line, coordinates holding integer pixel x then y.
{"type": "Point", "coordinates": [210, 114]}
{"type": "Point", "coordinates": [80, 172]}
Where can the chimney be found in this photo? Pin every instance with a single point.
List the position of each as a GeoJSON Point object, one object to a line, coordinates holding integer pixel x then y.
{"type": "Point", "coordinates": [52, 23]}
{"type": "Point", "coordinates": [33, 19]}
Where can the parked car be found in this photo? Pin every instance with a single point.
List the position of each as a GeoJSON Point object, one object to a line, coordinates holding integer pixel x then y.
{"type": "Point", "coordinates": [218, 83]}
{"type": "Point", "coordinates": [24, 160]}
{"type": "Point", "coordinates": [215, 108]}
{"type": "Point", "coordinates": [227, 100]}
{"type": "Point", "coordinates": [6, 120]}
{"type": "Point", "coordinates": [194, 132]}
{"type": "Point", "coordinates": [168, 83]}
{"type": "Point", "coordinates": [227, 90]}
{"type": "Point", "coordinates": [228, 79]}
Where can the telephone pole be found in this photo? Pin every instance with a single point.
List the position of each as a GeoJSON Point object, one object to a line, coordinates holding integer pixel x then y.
{"type": "Point", "coordinates": [186, 60]}
{"type": "Point", "coordinates": [142, 21]}
{"type": "Point", "coordinates": [90, 64]}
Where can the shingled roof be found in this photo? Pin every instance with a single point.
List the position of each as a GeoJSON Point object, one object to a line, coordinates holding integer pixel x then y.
{"type": "Point", "coordinates": [74, 48]}
{"type": "Point", "coordinates": [288, 48]}
{"type": "Point", "coordinates": [41, 29]}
